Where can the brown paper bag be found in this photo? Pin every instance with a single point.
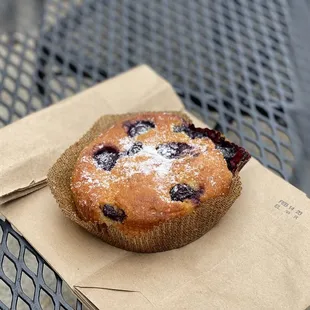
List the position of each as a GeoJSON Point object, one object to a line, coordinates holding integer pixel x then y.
{"type": "Point", "coordinates": [257, 257]}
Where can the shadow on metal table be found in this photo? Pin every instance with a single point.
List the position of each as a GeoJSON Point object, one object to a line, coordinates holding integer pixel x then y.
{"type": "Point", "coordinates": [239, 65]}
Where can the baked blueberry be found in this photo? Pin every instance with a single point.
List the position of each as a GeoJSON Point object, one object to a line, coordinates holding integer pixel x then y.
{"type": "Point", "coordinates": [114, 213]}
{"type": "Point", "coordinates": [139, 128]}
{"type": "Point", "coordinates": [173, 149]}
{"type": "Point", "coordinates": [185, 129]}
{"type": "Point", "coordinates": [227, 150]}
{"type": "Point", "coordinates": [235, 156]}
{"type": "Point", "coordinates": [137, 147]}
{"type": "Point", "coordinates": [180, 192]}
{"type": "Point", "coordinates": [194, 132]}
{"type": "Point", "coordinates": [106, 157]}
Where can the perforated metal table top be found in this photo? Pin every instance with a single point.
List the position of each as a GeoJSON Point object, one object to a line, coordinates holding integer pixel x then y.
{"type": "Point", "coordinates": [231, 62]}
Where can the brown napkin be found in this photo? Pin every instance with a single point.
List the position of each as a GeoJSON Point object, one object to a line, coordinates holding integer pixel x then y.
{"type": "Point", "coordinates": [257, 257]}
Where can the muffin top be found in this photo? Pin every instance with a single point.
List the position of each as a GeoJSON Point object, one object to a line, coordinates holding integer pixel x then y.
{"type": "Point", "coordinates": [150, 168]}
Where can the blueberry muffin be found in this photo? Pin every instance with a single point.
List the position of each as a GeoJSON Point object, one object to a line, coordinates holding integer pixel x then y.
{"type": "Point", "coordinates": [153, 181]}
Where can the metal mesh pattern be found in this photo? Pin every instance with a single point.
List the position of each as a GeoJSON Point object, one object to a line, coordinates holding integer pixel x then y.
{"type": "Point", "coordinates": [26, 280]}
{"type": "Point", "coordinates": [228, 60]}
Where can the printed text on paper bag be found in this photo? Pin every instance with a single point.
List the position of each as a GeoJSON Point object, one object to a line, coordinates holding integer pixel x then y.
{"type": "Point", "coordinates": [288, 209]}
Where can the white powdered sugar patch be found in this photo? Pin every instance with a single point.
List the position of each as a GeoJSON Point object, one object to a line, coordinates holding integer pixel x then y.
{"type": "Point", "coordinates": [92, 182]}
{"type": "Point", "coordinates": [162, 189]}
{"type": "Point", "coordinates": [154, 163]}
{"type": "Point", "coordinates": [126, 143]}
{"type": "Point", "coordinates": [88, 178]}
{"type": "Point", "coordinates": [147, 161]}
{"type": "Point", "coordinates": [211, 179]}
{"type": "Point", "coordinates": [190, 169]}
{"type": "Point", "coordinates": [86, 159]}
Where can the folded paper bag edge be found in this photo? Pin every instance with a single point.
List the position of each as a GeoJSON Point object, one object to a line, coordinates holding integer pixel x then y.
{"type": "Point", "coordinates": [80, 292]}
{"type": "Point", "coordinates": [8, 188]}
{"type": "Point", "coordinates": [21, 176]}
{"type": "Point", "coordinates": [23, 192]}
{"type": "Point", "coordinates": [106, 288]}
{"type": "Point", "coordinates": [91, 301]}
{"type": "Point", "coordinates": [85, 301]}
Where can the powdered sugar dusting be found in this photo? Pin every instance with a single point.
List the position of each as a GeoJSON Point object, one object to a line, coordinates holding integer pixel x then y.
{"type": "Point", "coordinates": [91, 181]}
{"type": "Point", "coordinates": [165, 162]}
{"type": "Point", "coordinates": [126, 143]}
{"type": "Point", "coordinates": [147, 162]}
{"type": "Point", "coordinates": [86, 159]}
{"type": "Point", "coordinates": [153, 163]}
{"type": "Point", "coordinates": [212, 182]}
{"type": "Point", "coordinates": [88, 178]}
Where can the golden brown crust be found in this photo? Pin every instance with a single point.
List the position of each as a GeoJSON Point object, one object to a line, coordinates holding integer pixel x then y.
{"type": "Point", "coordinates": [140, 184]}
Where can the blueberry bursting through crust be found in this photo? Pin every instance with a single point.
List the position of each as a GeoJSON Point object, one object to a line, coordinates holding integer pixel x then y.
{"type": "Point", "coordinates": [235, 156]}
